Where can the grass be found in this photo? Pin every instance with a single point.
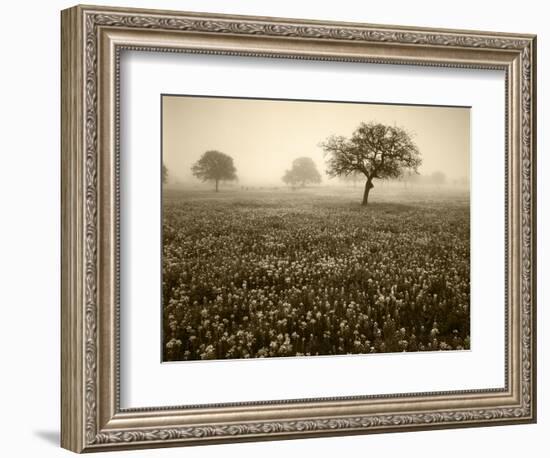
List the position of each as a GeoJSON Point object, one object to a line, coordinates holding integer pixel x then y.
{"type": "Point", "coordinates": [274, 272]}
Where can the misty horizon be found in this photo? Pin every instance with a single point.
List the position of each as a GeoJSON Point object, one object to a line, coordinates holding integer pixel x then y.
{"type": "Point", "coordinates": [264, 136]}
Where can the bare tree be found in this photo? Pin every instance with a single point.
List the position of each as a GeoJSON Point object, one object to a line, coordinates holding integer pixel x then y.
{"type": "Point", "coordinates": [215, 166]}
{"type": "Point", "coordinates": [375, 150]}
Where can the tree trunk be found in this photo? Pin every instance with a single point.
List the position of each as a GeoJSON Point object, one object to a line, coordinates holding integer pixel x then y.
{"type": "Point", "coordinates": [217, 181]}
{"type": "Point", "coordinates": [368, 187]}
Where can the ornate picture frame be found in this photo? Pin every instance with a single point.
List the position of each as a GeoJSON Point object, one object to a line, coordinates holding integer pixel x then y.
{"type": "Point", "coordinates": [92, 41]}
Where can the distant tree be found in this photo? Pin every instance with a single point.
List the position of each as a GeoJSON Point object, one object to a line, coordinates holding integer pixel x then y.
{"type": "Point", "coordinates": [164, 174]}
{"type": "Point", "coordinates": [303, 171]}
{"type": "Point", "coordinates": [438, 178]}
{"type": "Point", "coordinates": [214, 166]}
{"type": "Point", "coordinates": [375, 150]}
{"type": "Point", "coordinates": [289, 178]}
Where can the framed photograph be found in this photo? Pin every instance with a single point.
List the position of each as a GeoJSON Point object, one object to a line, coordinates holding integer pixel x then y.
{"type": "Point", "coordinates": [279, 228]}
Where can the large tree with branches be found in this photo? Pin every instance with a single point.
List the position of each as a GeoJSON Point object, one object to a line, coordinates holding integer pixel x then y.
{"type": "Point", "coordinates": [375, 150]}
{"type": "Point", "coordinates": [215, 166]}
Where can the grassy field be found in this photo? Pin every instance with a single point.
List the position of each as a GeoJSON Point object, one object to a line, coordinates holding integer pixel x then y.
{"type": "Point", "coordinates": [274, 272]}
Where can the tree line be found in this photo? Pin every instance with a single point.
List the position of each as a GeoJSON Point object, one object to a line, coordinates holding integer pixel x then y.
{"type": "Point", "coordinates": [374, 151]}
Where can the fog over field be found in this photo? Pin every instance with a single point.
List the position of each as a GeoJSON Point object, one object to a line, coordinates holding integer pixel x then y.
{"type": "Point", "coordinates": [264, 136]}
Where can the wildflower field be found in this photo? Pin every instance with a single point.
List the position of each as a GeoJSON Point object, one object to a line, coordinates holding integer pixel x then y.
{"type": "Point", "coordinates": [274, 272]}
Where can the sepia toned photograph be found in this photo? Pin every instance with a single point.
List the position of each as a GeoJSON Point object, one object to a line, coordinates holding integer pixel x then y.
{"type": "Point", "coordinates": [295, 228]}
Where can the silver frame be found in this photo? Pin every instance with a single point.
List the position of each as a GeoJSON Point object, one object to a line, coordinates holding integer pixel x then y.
{"type": "Point", "coordinates": [92, 40]}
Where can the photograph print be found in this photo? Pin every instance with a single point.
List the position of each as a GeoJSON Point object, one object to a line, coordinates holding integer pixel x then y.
{"type": "Point", "coordinates": [303, 228]}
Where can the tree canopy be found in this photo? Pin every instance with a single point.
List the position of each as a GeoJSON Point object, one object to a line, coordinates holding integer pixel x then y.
{"type": "Point", "coordinates": [214, 166]}
{"type": "Point", "coordinates": [302, 172]}
{"type": "Point", "coordinates": [374, 150]}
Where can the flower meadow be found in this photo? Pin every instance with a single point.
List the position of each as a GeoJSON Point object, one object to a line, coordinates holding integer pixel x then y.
{"type": "Point", "coordinates": [250, 274]}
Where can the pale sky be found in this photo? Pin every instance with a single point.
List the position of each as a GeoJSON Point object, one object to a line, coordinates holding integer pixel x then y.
{"type": "Point", "coordinates": [265, 136]}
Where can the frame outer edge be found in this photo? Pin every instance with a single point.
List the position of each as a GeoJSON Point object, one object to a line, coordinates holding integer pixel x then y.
{"type": "Point", "coordinates": [72, 250]}
{"type": "Point", "coordinates": [533, 195]}
{"type": "Point", "coordinates": [81, 425]}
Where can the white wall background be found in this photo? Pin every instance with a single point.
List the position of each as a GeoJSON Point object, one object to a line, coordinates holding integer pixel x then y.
{"type": "Point", "coordinates": [29, 226]}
